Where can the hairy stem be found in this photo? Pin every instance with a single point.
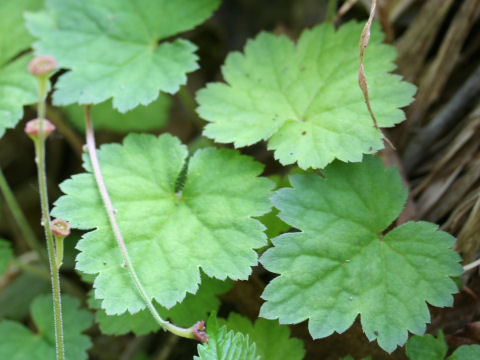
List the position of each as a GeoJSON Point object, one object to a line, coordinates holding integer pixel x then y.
{"type": "Point", "coordinates": [42, 185]}
{"type": "Point", "coordinates": [90, 138]}
{"type": "Point", "coordinates": [19, 217]}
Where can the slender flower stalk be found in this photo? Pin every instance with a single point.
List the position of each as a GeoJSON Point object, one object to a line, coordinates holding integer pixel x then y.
{"type": "Point", "coordinates": [38, 130]}
{"type": "Point", "coordinates": [197, 331]}
{"type": "Point", "coordinates": [60, 230]}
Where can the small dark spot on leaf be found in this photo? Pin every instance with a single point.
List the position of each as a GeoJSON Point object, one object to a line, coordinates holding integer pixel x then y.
{"type": "Point", "coordinates": [304, 132]}
{"type": "Point", "coordinates": [376, 332]}
{"type": "Point", "coordinates": [104, 263]}
{"type": "Point", "coordinates": [291, 153]}
{"type": "Point", "coordinates": [369, 148]}
{"type": "Point", "coordinates": [303, 68]}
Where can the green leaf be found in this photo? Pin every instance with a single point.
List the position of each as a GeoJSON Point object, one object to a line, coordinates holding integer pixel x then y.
{"type": "Point", "coordinates": [116, 48]}
{"type": "Point", "coordinates": [192, 309]}
{"type": "Point", "coordinates": [272, 340]}
{"type": "Point", "coordinates": [17, 86]}
{"type": "Point", "coordinates": [275, 226]}
{"type": "Point", "coordinates": [426, 347]}
{"type": "Point", "coordinates": [14, 37]}
{"type": "Point", "coordinates": [6, 255]}
{"type": "Point", "coordinates": [466, 352]}
{"type": "Point", "coordinates": [431, 348]}
{"type": "Point", "coordinates": [305, 98]}
{"type": "Point", "coordinates": [154, 116]}
{"type": "Point", "coordinates": [19, 343]}
{"type": "Point", "coordinates": [15, 307]}
{"type": "Point", "coordinates": [341, 264]}
{"type": "Point", "coordinates": [225, 345]}
{"type": "Point", "coordinates": [169, 234]}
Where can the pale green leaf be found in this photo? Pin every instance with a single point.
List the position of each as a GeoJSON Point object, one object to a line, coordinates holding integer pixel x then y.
{"type": "Point", "coordinates": [19, 343]}
{"type": "Point", "coordinates": [116, 48]}
{"type": "Point", "coordinates": [170, 234]}
{"type": "Point", "coordinates": [14, 36]}
{"type": "Point", "coordinates": [226, 345]}
{"type": "Point", "coordinates": [272, 340]}
{"type": "Point", "coordinates": [341, 264]}
{"type": "Point", "coordinates": [192, 309]}
{"type": "Point", "coordinates": [104, 117]}
{"type": "Point", "coordinates": [305, 98]}
{"type": "Point", "coordinates": [6, 255]}
{"type": "Point", "coordinates": [17, 86]}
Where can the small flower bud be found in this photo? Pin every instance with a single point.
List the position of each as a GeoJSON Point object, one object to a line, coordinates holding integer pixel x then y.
{"type": "Point", "coordinates": [42, 65]}
{"type": "Point", "coordinates": [60, 228]}
{"type": "Point", "coordinates": [32, 128]}
{"type": "Point", "coordinates": [199, 332]}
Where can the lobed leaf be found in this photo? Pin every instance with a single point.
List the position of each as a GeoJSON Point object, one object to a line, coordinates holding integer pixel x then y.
{"type": "Point", "coordinates": [272, 340]}
{"type": "Point", "coordinates": [304, 98]}
{"type": "Point", "coordinates": [117, 49]}
{"type": "Point", "coordinates": [19, 343]}
{"type": "Point", "coordinates": [226, 345]}
{"type": "Point", "coordinates": [341, 264]}
{"type": "Point", "coordinates": [169, 233]}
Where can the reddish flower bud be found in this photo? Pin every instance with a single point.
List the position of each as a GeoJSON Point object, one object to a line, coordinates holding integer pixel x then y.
{"type": "Point", "coordinates": [32, 128]}
{"type": "Point", "coordinates": [199, 332]}
{"type": "Point", "coordinates": [42, 65]}
{"type": "Point", "coordinates": [60, 228]}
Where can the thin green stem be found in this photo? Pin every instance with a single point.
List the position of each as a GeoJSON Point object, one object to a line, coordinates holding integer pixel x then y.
{"type": "Point", "coordinates": [19, 217]}
{"type": "Point", "coordinates": [187, 100]}
{"type": "Point", "coordinates": [90, 139]}
{"type": "Point", "coordinates": [331, 10]}
{"type": "Point", "coordinates": [59, 251]}
{"type": "Point", "coordinates": [42, 185]}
